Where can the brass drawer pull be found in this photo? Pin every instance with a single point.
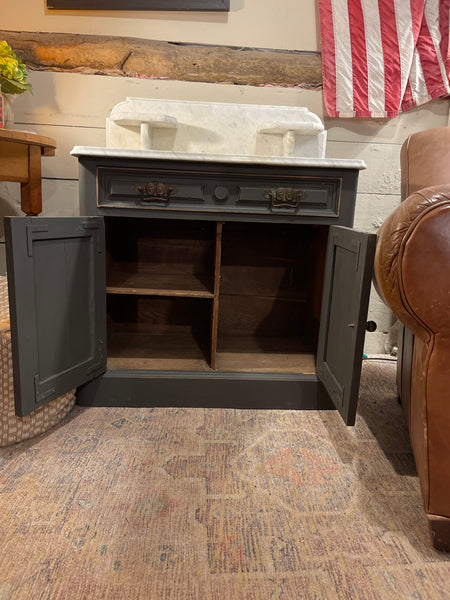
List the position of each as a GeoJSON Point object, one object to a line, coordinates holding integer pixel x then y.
{"type": "Point", "coordinates": [284, 197]}
{"type": "Point", "coordinates": [155, 190]}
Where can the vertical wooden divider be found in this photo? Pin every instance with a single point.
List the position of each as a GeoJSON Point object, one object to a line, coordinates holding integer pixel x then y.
{"type": "Point", "coordinates": [215, 310]}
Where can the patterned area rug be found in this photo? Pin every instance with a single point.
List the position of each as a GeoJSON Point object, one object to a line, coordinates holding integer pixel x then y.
{"type": "Point", "coordinates": [211, 504]}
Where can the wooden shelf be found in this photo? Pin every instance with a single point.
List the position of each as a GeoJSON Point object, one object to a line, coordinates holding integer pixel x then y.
{"type": "Point", "coordinates": [160, 284]}
{"type": "Point", "coordinates": [247, 354]}
{"type": "Point", "coordinates": [155, 352]}
{"type": "Point", "coordinates": [173, 352]}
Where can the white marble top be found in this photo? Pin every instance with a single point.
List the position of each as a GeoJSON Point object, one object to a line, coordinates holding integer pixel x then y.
{"type": "Point", "coordinates": [298, 161]}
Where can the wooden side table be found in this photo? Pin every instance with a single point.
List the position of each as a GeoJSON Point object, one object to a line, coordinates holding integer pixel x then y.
{"type": "Point", "coordinates": [20, 160]}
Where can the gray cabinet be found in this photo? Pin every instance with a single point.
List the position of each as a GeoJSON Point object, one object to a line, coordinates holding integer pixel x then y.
{"type": "Point", "coordinates": [194, 284]}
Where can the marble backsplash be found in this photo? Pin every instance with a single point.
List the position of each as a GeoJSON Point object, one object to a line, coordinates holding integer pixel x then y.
{"type": "Point", "coordinates": [215, 128]}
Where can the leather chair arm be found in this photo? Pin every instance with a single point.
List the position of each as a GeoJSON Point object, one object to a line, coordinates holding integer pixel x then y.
{"type": "Point", "coordinates": [412, 261]}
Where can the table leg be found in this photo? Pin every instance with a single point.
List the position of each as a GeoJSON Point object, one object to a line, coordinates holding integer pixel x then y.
{"type": "Point", "coordinates": [31, 190]}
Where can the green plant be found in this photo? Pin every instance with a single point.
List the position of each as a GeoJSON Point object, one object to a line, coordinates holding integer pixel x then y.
{"type": "Point", "coordinates": [13, 73]}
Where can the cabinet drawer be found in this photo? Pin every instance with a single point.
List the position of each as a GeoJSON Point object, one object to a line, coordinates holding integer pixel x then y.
{"type": "Point", "coordinates": [219, 192]}
{"type": "Point", "coordinates": [303, 196]}
{"type": "Point", "coordinates": [143, 189]}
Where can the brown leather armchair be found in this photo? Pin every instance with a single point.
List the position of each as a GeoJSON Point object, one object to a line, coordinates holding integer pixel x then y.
{"type": "Point", "coordinates": [412, 270]}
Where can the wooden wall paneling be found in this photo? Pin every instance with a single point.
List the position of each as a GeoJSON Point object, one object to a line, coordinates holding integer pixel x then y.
{"type": "Point", "coordinates": [86, 100]}
{"type": "Point", "coordinates": [60, 197]}
{"type": "Point", "coordinates": [82, 100]}
{"type": "Point", "coordinates": [9, 201]}
{"type": "Point", "coordinates": [63, 165]}
{"type": "Point", "coordinates": [391, 131]}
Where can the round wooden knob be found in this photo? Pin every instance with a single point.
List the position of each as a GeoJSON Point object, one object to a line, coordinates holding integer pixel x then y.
{"type": "Point", "coordinates": [221, 193]}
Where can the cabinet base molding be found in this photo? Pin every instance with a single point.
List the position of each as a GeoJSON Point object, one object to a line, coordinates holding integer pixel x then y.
{"type": "Point", "coordinates": [138, 390]}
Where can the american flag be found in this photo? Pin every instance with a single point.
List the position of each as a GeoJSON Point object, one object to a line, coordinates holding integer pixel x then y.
{"type": "Point", "coordinates": [382, 57]}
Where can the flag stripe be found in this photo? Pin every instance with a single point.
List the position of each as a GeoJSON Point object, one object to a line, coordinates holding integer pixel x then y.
{"type": "Point", "coordinates": [391, 56]}
{"type": "Point", "coordinates": [343, 57]}
{"type": "Point", "coordinates": [375, 63]}
{"type": "Point", "coordinates": [432, 62]}
{"type": "Point", "coordinates": [416, 77]}
{"type": "Point", "coordinates": [359, 57]}
{"type": "Point", "coordinates": [407, 100]}
{"type": "Point", "coordinates": [380, 58]}
{"type": "Point", "coordinates": [417, 83]}
{"type": "Point", "coordinates": [444, 17]}
{"type": "Point", "coordinates": [408, 21]}
{"type": "Point", "coordinates": [328, 60]}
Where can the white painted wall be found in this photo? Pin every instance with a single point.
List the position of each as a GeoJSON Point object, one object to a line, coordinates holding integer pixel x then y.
{"type": "Point", "coordinates": [72, 108]}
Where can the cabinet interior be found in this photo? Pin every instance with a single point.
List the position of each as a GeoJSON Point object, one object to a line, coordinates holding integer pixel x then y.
{"type": "Point", "coordinates": [224, 296]}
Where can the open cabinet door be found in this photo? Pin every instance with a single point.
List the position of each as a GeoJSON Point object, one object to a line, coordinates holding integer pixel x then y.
{"type": "Point", "coordinates": [56, 283]}
{"type": "Point", "coordinates": [348, 275]}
